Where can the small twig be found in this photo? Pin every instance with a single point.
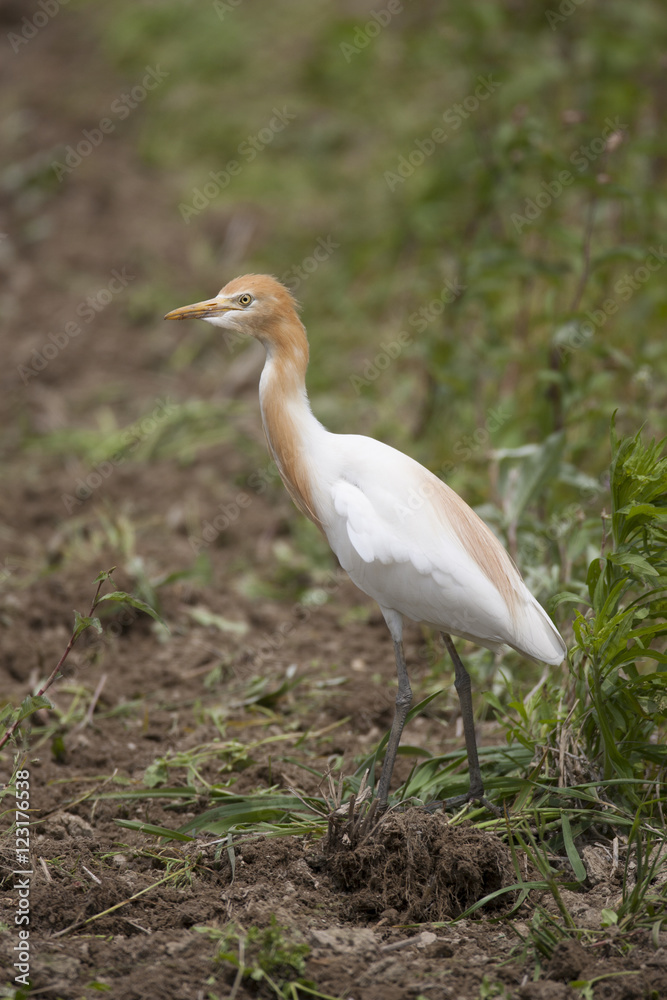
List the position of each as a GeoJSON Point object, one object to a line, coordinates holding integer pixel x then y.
{"type": "Point", "coordinates": [133, 923]}
{"type": "Point", "coordinates": [241, 970]}
{"type": "Point", "coordinates": [568, 753]}
{"type": "Point", "coordinates": [54, 673]}
{"type": "Point", "coordinates": [47, 873]}
{"type": "Point", "coordinates": [335, 793]}
{"type": "Point", "coordinates": [399, 945]}
{"type": "Point", "coordinates": [88, 717]}
{"type": "Point", "coordinates": [94, 877]}
{"type": "Point", "coordinates": [369, 824]}
{"type": "Point", "coordinates": [350, 811]}
{"type": "Point", "coordinates": [306, 804]}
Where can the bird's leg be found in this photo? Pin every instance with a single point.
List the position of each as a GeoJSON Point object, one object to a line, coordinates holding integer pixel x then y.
{"type": "Point", "coordinates": [403, 702]}
{"type": "Point", "coordinates": [463, 689]}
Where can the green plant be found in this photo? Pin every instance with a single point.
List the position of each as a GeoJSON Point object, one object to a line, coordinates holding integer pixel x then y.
{"type": "Point", "coordinates": [643, 900]}
{"type": "Point", "coordinates": [489, 989]}
{"type": "Point", "coordinates": [12, 717]}
{"type": "Point", "coordinates": [619, 665]}
{"type": "Point", "coordinates": [270, 954]}
{"type": "Point", "coordinates": [596, 727]}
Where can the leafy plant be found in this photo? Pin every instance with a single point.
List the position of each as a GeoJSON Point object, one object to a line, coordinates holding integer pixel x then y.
{"type": "Point", "coordinates": [11, 717]}
{"type": "Point", "coordinates": [597, 727]}
{"type": "Point", "coordinates": [270, 954]}
{"type": "Point", "coordinates": [619, 664]}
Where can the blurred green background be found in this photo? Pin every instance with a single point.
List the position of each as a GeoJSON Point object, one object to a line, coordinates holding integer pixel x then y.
{"type": "Point", "coordinates": [513, 338]}
{"type": "Point", "coordinates": [532, 217]}
{"type": "Point", "coordinates": [468, 200]}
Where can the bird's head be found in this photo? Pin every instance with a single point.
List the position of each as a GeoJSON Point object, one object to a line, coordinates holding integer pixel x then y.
{"type": "Point", "coordinates": [255, 304]}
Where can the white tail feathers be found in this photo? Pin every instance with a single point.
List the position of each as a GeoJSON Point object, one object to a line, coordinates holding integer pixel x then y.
{"type": "Point", "coordinates": [540, 639]}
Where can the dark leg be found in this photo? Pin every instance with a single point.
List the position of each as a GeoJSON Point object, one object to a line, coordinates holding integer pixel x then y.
{"type": "Point", "coordinates": [403, 702]}
{"type": "Point", "coordinates": [462, 685]}
{"type": "Point", "coordinates": [463, 689]}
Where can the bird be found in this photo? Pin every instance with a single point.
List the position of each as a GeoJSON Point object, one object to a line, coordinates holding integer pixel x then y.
{"type": "Point", "coordinates": [403, 536]}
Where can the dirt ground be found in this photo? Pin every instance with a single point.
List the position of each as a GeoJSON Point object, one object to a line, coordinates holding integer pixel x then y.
{"type": "Point", "coordinates": [60, 244]}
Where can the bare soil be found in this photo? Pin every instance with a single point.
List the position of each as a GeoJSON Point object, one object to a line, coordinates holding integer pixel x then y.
{"type": "Point", "coordinates": [368, 914]}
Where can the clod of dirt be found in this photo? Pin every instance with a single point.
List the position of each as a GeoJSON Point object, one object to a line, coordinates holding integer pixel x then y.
{"type": "Point", "coordinates": [598, 863]}
{"type": "Point", "coordinates": [567, 961]}
{"type": "Point", "coordinates": [67, 825]}
{"type": "Point", "coordinates": [418, 865]}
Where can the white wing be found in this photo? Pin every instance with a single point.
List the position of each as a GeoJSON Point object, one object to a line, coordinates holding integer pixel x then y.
{"type": "Point", "coordinates": [411, 547]}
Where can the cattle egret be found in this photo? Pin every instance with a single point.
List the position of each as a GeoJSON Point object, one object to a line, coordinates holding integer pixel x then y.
{"type": "Point", "coordinates": [403, 536]}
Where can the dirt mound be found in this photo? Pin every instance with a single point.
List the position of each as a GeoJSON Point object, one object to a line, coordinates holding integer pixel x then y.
{"type": "Point", "coordinates": [420, 868]}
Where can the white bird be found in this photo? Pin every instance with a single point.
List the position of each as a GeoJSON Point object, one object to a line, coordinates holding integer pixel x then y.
{"type": "Point", "coordinates": [403, 536]}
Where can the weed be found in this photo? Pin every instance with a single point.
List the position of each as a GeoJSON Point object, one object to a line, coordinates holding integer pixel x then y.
{"type": "Point", "coordinates": [270, 954]}
{"type": "Point", "coordinates": [11, 717]}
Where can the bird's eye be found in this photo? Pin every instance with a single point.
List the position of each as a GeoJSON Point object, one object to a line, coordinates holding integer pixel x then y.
{"type": "Point", "coordinates": [245, 299]}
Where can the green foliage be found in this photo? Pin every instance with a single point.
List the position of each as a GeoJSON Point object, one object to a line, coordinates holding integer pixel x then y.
{"type": "Point", "coordinates": [619, 664]}
{"type": "Point", "coordinates": [269, 954]}
{"type": "Point", "coordinates": [11, 717]}
{"type": "Point", "coordinates": [601, 722]}
{"type": "Point", "coordinates": [643, 895]}
{"type": "Point", "coordinates": [489, 989]}
{"type": "Point", "coordinates": [539, 331]}
{"type": "Point", "coordinates": [121, 597]}
{"type": "Point", "coordinates": [167, 430]}
{"type": "Point", "coordinates": [29, 705]}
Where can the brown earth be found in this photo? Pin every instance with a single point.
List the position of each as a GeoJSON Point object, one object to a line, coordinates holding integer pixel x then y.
{"type": "Point", "coordinates": [158, 696]}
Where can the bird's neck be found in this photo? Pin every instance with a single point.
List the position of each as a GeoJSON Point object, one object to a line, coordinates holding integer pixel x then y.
{"type": "Point", "coordinates": [291, 429]}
